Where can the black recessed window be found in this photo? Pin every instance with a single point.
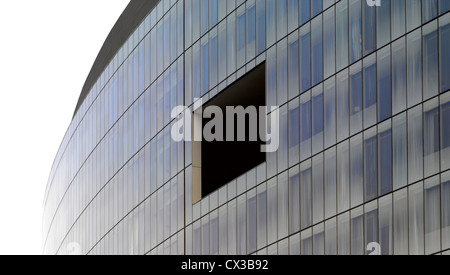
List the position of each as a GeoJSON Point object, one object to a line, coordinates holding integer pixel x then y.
{"type": "Point", "coordinates": [224, 161]}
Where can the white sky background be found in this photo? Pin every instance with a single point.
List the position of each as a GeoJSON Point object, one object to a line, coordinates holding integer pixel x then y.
{"type": "Point", "coordinates": [47, 48]}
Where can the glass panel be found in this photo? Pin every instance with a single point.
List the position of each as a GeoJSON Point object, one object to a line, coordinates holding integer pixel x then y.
{"type": "Point", "coordinates": [260, 26]}
{"type": "Point", "coordinates": [370, 91]}
{"type": "Point", "coordinates": [414, 54]}
{"type": "Point", "coordinates": [385, 158]}
{"type": "Point", "coordinates": [330, 183]}
{"type": "Point", "coordinates": [272, 211]}
{"type": "Point", "coordinates": [445, 206]}
{"type": "Point", "coordinates": [283, 206]}
{"type": "Point", "coordinates": [317, 119]}
{"type": "Point", "coordinates": [232, 228]}
{"type": "Point", "coordinates": [317, 52]}
{"type": "Point", "coordinates": [356, 168]}
{"type": "Point", "coordinates": [342, 105]}
{"type": "Point", "coordinates": [305, 195]}
{"type": "Point", "coordinates": [431, 137]}
{"type": "Point", "coordinates": [240, 33]}
{"type": "Point", "coordinates": [231, 43]}
{"type": "Point", "coordinates": [371, 224]}
{"type": "Point", "coordinates": [413, 14]}
{"type": "Point", "coordinates": [294, 132]}
{"type": "Point", "coordinates": [444, 54]}
{"type": "Point", "coordinates": [294, 200]}
{"type": "Point", "coordinates": [282, 74]}
{"type": "Point", "coordinates": [329, 43]}
{"type": "Point", "coordinates": [369, 30]}
{"type": "Point", "coordinates": [306, 242]}
{"type": "Point", "coordinates": [385, 223]}
{"type": "Point", "coordinates": [223, 230]}
{"type": "Point", "coordinates": [416, 236]}
{"type": "Point", "coordinates": [271, 24]}
{"type": "Point", "coordinates": [251, 34]}
{"type": "Point", "coordinates": [305, 126]}
{"type": "Point", "coordinates": [401, 222]}
{"type": "Point", "coordinates": [344, 234]}
{"type": "Point", "coordinates": [293, 65]}
{"type": "Point", "coordinates": [429, 10]}
{"type": "Point", "coordinates": [294, 244]}
{"type": "Point", "coordinates": [262, 216]}
{"type": "Point", "coordinates": [415, 145]}
{"type": "Point", "coordinates": [331, 237]}
{"type": "Point", "coordinates": [330, 112]}
{"type": "Point", "coordinates": [430, 60]}
{"type": "Point", "coordinates": [293, 9]}
{"type": "Point", "coordinates": [242, 225]}
{"type": "Point", "coordinates": [398, 76]}
{"type": "Point", "coordinates": [370, 164]}
{"type": "Point", "coordinates": [319, 239]}
{"type": "Point", "coordinates": [384, 83]}
{"type": "Point", "coordinates": [383, 24]}
{"type": "Point", "coordinates": [398, 18]}
{"type": "Point", "coordinates": [356, 99]}
{"type": "Point", "coordinates": [343, 177]}
{"type": "Point", "coordinates": [445, 131]}
{"type": "Point", "coordinates": [317, 188]}
{"type": "Point", "coordinates": [355, 30]}
{"type": "Point", "coordinates": [305, 58]}
{"type": "Point", "coordinates": [305, 11]}
{"type": "Point", "coordinates": [432, 215]}
{"type": "Point", "coordinates": [400, 150]}
{"type": "Point", "coordinates": [281, 18]}
{"type": "Point", "coordinates": [357, 231]}
{"type": "Point", "coordinates": [342, 34]}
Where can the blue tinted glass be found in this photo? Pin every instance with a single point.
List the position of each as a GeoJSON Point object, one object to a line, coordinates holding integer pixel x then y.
{"type": "Point", "coordinates": [356, 99]}
{"type": "Point", "coordinates": [316, 7]}
{"type": "Point", "coordinates": [369, 29]}
{"type": "Point", "coordinates": [271, 23]}
{"type": "Point", "coordinates": [260, 27]}
{"type": "Point", "coordinates": [329, 43]}
{"type": "Point", "coordinates": [305, 59]}
{"type": "Point", "coordinates": [317, 58]}
{"type": "Point", "coordinates": [370, 164]}
{"type": "Point", "coordinates": [213, 12]}
{"type": "Point", "coordinates": [355, 30]}
{"type": "Point", "coordinates": [370, 91]}
{"type": "Point", "coordinates": [305, 11]}
{"type": "Point", "coordinates": [444, 53]}
{"type": "Point", "coordinates": [444, 6]}
{"type": "Point", "coordinates": [429, 10]}
{"type": "Point", "coordinates": [317, 119]}
{"type": "Point", "coordinates": [384, 84]}
{"type": "Point", "coordinates": [341, 35]}
{"type": "Point", "coordinates": [205, 67]}
{"type": "Point", "coordinates": [281, 18]}
{"type": "Point", "coordinates": [384, 23]}
{"type": "Point", "coordinates": [385, 158]}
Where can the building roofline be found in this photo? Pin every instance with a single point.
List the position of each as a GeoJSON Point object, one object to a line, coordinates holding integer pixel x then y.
{"type": "Point", "coordinates": [131, 18]}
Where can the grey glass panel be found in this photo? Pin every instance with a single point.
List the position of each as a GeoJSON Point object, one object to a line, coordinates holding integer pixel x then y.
{"type": "Point", "coordinates": [240, 36]}
{"type": "Point", "coordinates": [431, 137]}
{"type": "Point", "coordinates": [432, 215]}
{"type": "Point", "coordinates": [342, 106]}
{"type": "Point", "coordinates": [400, 150]}
{"type": "Point", "coordinates": [205, 239]}
{"type": "Point", "coordinates": [369, 30]}
{"type": "Point", "coordinates": [385, 174]}
{"type": "Point", "coordinates": [283, 149]}
{"type": "Point", "coordinates": [281, 18]}
{"type": "Point", "coordinates": [356, 99]}
{"type": "Point", "coordinates": [357, 231]}
{"type": "Point", "coordinates": [386, 225]}
{"type": "Point", "coordinates": [430, 60]}
{"type": "Point", "coordinates": [356, 170]}
{"type": "Point", "coordinates": [398, 76]}
{"type": "Point", "coordinates": [401, 222]}
{"type": "Point", "coordinates": [384, 24]}
{"type": "Point", "coordinates": [262, 216]}
{"type": "Point", "coordinates": [272, 211]}
{"type": "Point", "coordinates": [293, 8]}
{"type": "Point", "coordinates": [331, 237]}
{"type": "Point", "coordinates": [371, 233]}
{"type": "Point", "coordinates": [223, 230]}
{"type": "Point", "coordinates": [445, 206]}
{"type": "Point", "coordinates": [445, 131]}
{"type": "Point", "coordinates": [329, 112]}
{"type": "Point", "coordinates": [283, 206]}
{"type": "Point", "coordinates": [343, 177]}
{"type": "Point", "coordinates": [414, 61]}
{"type": "Point", "coordinates": [251, 222]}
{"type": "Point", "coordinates": [317, 119]}
{"type": "Point", "coordinates": [306, 242]}
{"type": "Point", "coordinates": [294, 200]}
{"type": "Point", "coordinates": [355, 30]}
{"type": "Point", "coordinates": [294, 244]}
{"type": "Point", "coordinates": [232, 227]}
{"type": "Point", "coordinates": [305, 58]}
{"type": "Point", "coordinates": [429, 10]}
{"type": "Point", "coordinates": [293, 65]}
{"type": "Point", "coordinates": [330, 183]}
{"type": "Point", "coordinates": [344, 234]}
{"type": "Point", "coordinates": [282, 72]}
{"type": "Point", "coordinates": [242, 225]}
{"type": "Point", "coordinates": [260, 26]}
{"type": "Point", "coordinates": [329, 50]}
{"type": "Point", "coordinates": [370, 164]}
{"type": "Point", "coordinates": [319, 239]}
{"type": "Point", "coordinates": [413, 14]}
{"type": "Point", "coordinates": [317, 188]}
{"type": "Point", "coordinates": [251, 30]}
{"type": "Point", "coordinates": [294, 132]}
{"type": "Point", "coordinates": [317, 50]}
{"type": "Point", "coordinates": [415, 145]}
{"type": "Point", "coordinates": [305, 11]}
{"type": "Point", "coordinates": [305, 126]}
{"type": "Point", "coordinates": [384, 83]}
{"type": "Point", "coordinates": [271, 24]}
{"type": "Point", "coordinates": [416, 221]}
{"type": "Point", "coordinates": [342, 34]}
{"type": "Point", "coordinates": [231, 43]}
{"type": "Point", "coordinates": [370, 90]}
{"type": "Point", "coordinates": [444, 55]}
{"type": "Point", "coordinates": [305, 195]}
{"type": "Point", "coordinates": [398, 18]}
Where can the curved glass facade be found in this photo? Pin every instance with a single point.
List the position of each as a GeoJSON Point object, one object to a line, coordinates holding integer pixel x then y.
{"type": "Point", "coordinates": [364, 156]}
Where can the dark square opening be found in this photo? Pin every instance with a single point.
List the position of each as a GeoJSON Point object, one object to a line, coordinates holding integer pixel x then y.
{"type": "Point", "coordinates": [221, 162]}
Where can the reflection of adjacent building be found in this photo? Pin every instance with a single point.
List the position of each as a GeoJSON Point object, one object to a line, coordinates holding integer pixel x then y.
{"type": "Point", "coordinates": [364, 148]}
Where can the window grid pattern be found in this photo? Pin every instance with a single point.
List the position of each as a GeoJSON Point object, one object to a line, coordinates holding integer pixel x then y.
{"type": "Point", "coordinates": [363, 153]}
